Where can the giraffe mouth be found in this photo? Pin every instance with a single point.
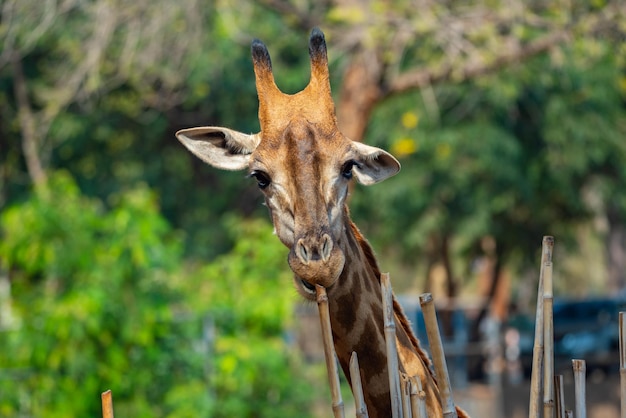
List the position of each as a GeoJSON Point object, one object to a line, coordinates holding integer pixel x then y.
{"type": "Point", "coordinates": [308, 287]}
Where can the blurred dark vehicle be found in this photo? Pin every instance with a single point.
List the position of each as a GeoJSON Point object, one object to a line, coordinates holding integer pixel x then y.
{"type": "Point", "coordinates": [586, 329]}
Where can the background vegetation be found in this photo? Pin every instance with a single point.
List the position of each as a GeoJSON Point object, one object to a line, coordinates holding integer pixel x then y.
{"type": "Point", "coordinates": [127, 264]}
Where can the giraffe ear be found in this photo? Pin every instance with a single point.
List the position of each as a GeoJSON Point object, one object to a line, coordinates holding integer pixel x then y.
{"type": "Point", "coordinates": [374, 164]}
{"type": "Point", "coordinates": [220, 147]}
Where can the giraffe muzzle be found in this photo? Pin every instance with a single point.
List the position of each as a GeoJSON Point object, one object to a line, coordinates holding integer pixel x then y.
{"type": "Point", "coordinates": [317, 259]}
{"type": "Point", "coordinates": [309, 251]}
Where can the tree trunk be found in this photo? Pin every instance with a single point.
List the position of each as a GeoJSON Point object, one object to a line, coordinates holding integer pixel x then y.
{"type": "Point", "coordinates": [360, 92]}
{"type": "Point", "coordinates": [447, 315]}
{"type": "Point", "coordinates": [495, 256]}
{"type": "Point", "coordinates": [447, 264]}
{"type": "Point", "coordinates": [28, 126]}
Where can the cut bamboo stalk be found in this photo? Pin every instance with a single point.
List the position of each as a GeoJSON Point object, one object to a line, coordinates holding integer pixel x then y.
{"type": "Point", "coordinates": [418, 398]}
{"type": "Point", "coordinates": [405, 386]}
{"type": "Point", "coordinates": [439, 359]}
{"type": "Point", "coordinates": [622, 362]}
{"type": "Point", "coordinates": [329, 352]}
{"type": "Point", "coordinates": [357, 387]}
{"type": "Point", "coordinates": [559, 396]}
{"type": "Point", "coordinates": [536, 376]}
{"type": "Point", "coordinates": [548, 343]}
{"type": "Point", "coordinates": [107, 404]}
{"type": "Point", "coordinates": [392, 351]}
{"type": "Point", "coordinates": [580, 369]}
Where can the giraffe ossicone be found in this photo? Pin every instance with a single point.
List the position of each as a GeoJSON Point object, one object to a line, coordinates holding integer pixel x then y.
{"type": "Point", "coordinates": [303, 165]}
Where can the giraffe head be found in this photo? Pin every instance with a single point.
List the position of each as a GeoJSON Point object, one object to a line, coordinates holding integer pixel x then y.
{"type": "Point", "coordinates": [302, 163]}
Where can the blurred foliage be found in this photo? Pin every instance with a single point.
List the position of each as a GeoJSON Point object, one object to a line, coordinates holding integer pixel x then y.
{"type": "Point", "coordinates": [99, 300]}
{"type": "Point", "coordinates": [249, 296]}
{"type": "Point", "coordinates": [511, 155]}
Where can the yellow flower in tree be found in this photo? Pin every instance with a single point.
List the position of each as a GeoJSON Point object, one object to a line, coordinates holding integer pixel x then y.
{"type": "Point", "coordinates": [410, 120]}
{"type": "Point", "coordinates": [403, 147]}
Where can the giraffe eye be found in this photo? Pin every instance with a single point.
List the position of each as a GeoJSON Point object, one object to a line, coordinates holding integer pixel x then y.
{"type": "Point", "coordinates": [346, 170]}
{"type": "Point", "coordinates": [262, 179]}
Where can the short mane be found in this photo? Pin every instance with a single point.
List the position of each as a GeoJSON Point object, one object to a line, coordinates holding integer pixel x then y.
{"type": "Point", "coordinates": [404, 321]}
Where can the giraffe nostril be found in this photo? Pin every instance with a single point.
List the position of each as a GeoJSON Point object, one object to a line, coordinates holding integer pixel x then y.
{"type": "Point", "coordinates": [327, 247]}
{"type": "Point", "coordinates": [302, 252]}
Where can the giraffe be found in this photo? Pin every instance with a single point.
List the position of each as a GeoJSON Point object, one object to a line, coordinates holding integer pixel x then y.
{"type": "Point", "coordinates": [303, 165]}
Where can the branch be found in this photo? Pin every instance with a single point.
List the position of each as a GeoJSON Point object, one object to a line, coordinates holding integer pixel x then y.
{"type": "Point", "coordinates": [424, 77]}
{"type": "Point", "coordinates": [420, 78]}
{"type": "Point", "coordinates": [28, 126]}
{"type": "Point", "coordinates": [302, 19]}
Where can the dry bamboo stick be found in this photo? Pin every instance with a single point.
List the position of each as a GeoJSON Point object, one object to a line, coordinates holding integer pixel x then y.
{"type": "Point", "coordinates": [559, 396]}
{"type": "Point", "coordinates": [405, 386]}
{"type": "Point", "coordinates": [418, 398]}
{"type": "Point", "coordinates": [580, 368]}
{"type": "Point", "coordinates": [622, 362]}
{"type": "Point", "coordinates": [329, 352]}
{"type": "Point", "coordinates": [107, 404]}
{"type": "Point", "coordinates": [536, 376]}
{"type": "Point", "coordinates": [436, 350]}
{"type": "Point", "coordinates": [392, 351]}
{"type": "Point", "coordinates": [357, 387]}
{"type": "Point", "coordinates": [548, 343]}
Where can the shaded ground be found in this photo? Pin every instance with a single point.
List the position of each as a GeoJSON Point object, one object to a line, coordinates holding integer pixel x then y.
{"type": "Point", "coordinates": [482, 401]}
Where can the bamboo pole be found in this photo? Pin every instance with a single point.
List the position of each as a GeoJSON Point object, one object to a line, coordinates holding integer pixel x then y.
{"type": "Point", "coordinates": [392, 351]}
{"type": "Point", "coordinates": [535, 381]}
{"type": "Point", "coordinates": [436, 350]}
{"type": "Point", "coordinates": [107, 404]}
{"type": "Point", "coordinates": [329, 352]}
{"type": "Point", "coordinates": [548, 343]}
{"type": "Point", "coordinates": [357, 387]}
{"type": "Point", "coordinates": [580, 369]}
{"type": "Point", "coordinates": [622, 362]}
{"type": "Point", "coordinates": [559, 396]}
{"type": "Point", "coordinates": [418, 398]}
{"type": "Point", "coordinates": [405, 386]}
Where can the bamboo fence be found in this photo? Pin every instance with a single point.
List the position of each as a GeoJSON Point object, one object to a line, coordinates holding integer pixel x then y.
{"type": "Point", "coordinates": [407, 395]}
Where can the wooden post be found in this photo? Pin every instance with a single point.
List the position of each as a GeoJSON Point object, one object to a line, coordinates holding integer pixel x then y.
{"type": "Point", "coordinates": [580, 369]}
{"type": "Point", "coordinates": [622, 362]}
{"type": "Point", "coordinates": [329, 352]}
{"type": "Point", "coordinates": [535, 381]}
{"type": "Point", "coordinates": [439, 359]}
{"type": "Point", "coordinates": [107, 404]}
{"type": "Point", "coordinates": [418, 398]}
{"type": "Point", "coordinates": [405, 386]}
{"type": "Point", "coordinates": [357, 387]}
{"type": "Point", "coordinates": [548, 343]}
{"type": "Point", "coordinates": [559, 396]}
{"type": "Point", "coordinates": [392, 351]}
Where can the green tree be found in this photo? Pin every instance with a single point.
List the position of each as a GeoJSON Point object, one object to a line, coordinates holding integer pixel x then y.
{"type": "Point", "coordinates": [249, 296]}
{"type": "Point", "coordinates": [92, 306]}
{"type": "Point", "coordinates": [530, 151]}
{"type": "Point", "coordinates": [98, 300]}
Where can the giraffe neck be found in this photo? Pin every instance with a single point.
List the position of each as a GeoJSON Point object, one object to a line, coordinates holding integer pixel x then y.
{"type": "Point", "coordinates": [356, 311]}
